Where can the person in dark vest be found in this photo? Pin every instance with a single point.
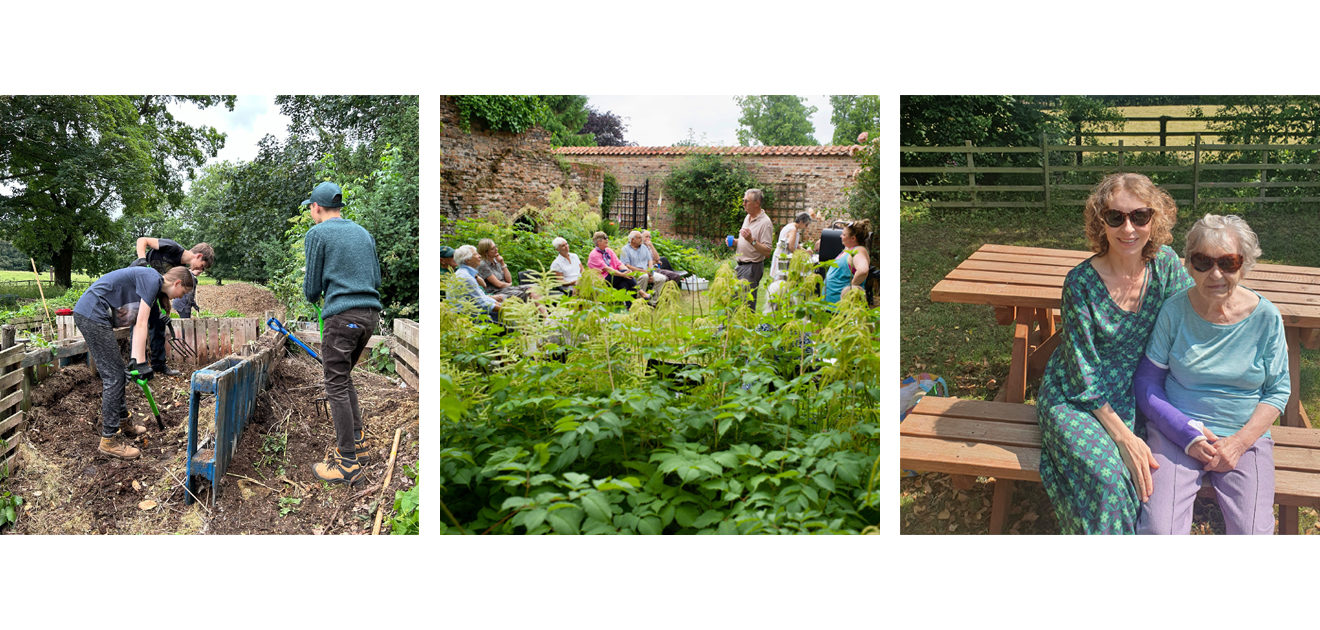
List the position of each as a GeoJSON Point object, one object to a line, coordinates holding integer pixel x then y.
{"type": "Point", "coordinates": [342, 266]}
{"type": "Point", "coordinates": [124, 297]}
{"type": "Point", "coordinates": [163, 254]}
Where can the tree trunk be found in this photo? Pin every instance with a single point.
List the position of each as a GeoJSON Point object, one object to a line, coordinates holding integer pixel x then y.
{"type": "Point", "coordinates": [62, 260]}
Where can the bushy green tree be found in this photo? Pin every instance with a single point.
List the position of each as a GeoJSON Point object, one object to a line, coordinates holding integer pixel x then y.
{"type": "Point", "coordinates": [773, 120]}
{"type": "Point", "coordinates": [565, 118]}
{"type": "Point", "coordinates": [854, 115]}
{"type": "Point", "coordinates": [707, 190]}
{"type": "Point", "coordinates": [497, 112]}
{"type": "Point", "coordinates": [69, 163]}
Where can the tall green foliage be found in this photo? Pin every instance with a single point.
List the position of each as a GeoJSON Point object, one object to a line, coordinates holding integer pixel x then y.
{"type": "Point", "coordinates": [853, 116]}
{"type": "Point", "coordinates": [661, 420]}
{"type": "Point", "coordinates": [772, 120]}
{"type": "Point", "coordinates": [515, 114]}
{"type": "Point", "coordinates": [609, 191]}
{"type": "Point", "coordinates": [69, 163]}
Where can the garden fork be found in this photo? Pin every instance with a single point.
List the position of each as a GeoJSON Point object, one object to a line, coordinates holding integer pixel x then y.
{"type": "Point", "coordinates": [179, 344]}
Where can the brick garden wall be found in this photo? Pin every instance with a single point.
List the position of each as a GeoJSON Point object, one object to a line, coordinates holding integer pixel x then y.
{"type": "Point", "coordinates": [485, 170]}
{"type": "Point", "coordinates": [821, 173]}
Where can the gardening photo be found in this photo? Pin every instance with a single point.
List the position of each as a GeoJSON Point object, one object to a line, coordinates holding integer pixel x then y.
{"type": "Point", "coordinates": [210, 314]}
{"type": "Point", "coordinates": [1108, 315]}
{"type": "Point", "coordinates": [659, 315]}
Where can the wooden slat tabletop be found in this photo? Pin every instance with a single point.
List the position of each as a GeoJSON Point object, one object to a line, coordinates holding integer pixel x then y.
{"type": "Point", "coordinates": [1032, 277]}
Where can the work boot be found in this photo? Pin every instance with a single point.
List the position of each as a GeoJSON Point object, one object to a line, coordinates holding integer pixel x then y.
{"type": "Point", "coordinates": [166, 370]}
{"type": "Point", "coordinates": [132, 427]}
{"type": "Point", "coordinates": [364, 454]}
{"type": "Point", "coordinates": [338, 469]}
{"type": "Point", "coordinates": [115, 446]}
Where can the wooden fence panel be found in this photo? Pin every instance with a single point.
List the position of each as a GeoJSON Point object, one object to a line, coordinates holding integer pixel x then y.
{"type": "Point", "coordinates": [407, 335]}
{"type": "Point", "coordinates": [1255, 180]}
{"type": "Point", "coordinates": [12, 396]}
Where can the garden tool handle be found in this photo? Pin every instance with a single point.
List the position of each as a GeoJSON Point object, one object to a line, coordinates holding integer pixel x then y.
{"type": "Point", "coordinates": [146, 391]}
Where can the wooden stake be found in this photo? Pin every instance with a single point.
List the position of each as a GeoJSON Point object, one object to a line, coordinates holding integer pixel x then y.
{"type": "Point", "coordinates": [50, 320]}
{"type": "Point", "coordinates": [389, 473]}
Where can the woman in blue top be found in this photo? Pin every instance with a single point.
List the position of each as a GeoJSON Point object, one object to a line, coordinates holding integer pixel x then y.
{"type": "Point", "coordinates": [1214, 378]}
{"type": "Point", "coordinates": [852, 264]}
{"type": "Point", "coordinates": [124, 297]}
{"type": "Point", "coordinates": [1094, 463]}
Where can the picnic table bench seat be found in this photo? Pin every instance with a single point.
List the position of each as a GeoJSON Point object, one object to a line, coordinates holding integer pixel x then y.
{"type": "Point", "coordinates": [1002, 440]}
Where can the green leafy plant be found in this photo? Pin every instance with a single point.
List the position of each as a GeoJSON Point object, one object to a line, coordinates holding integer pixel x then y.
{"type": "Point", "coordinates": [407, 518]}
{"type": "Point", "coordinates": [9, 502]}
{"type": "Point", "coordinates": [609, 191]}
{"type": "Point", "coordinates": [289, 505]}
{"type": "Point", "coordinates": [274, 452]}
{"type": "Point", "coordinates": [515, 114]}
{"type": "Point", "coordinates": [381, 360]}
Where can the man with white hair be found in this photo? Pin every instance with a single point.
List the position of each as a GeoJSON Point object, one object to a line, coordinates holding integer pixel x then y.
{"type": "Point", "coordinates": [637, 258]}
{"type": "Point", "coordinates": [753, 244]}
{"type": "Point", "coordinates": [567, 265]}
{"type": "Point", "coordinates": [487, 303]}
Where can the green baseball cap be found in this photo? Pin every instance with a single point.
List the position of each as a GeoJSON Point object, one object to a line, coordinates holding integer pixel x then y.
{"type": "Point", "coordinates": [446, 251]}
{"type": "Point", "coordinates": [326, 195]}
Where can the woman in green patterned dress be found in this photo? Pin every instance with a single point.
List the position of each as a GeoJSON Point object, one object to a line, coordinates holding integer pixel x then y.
{"type": "Point", "coordinates": [1094, 463]}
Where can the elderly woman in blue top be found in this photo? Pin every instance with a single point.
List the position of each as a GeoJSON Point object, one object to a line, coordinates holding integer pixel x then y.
{"type": "Point", "coordinates": [489, 304]}
{"type": "Point", "coordinates": [1214, 378]}
{"type": "Point", "coordinates": [1094, 464]}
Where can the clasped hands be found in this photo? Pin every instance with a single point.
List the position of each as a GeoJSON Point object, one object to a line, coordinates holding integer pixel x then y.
{"type": "Point", "coordinates": [1217, 454]}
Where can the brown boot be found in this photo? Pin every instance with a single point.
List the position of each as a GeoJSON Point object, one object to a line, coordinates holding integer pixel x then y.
{"type": "Point", "coordinates": [364, 455]}
{"type": "Point", "coordinates": [131, 427]}
{"type": "Point", "coordinates": [117, 447]}
{"type": "Point", "coordinates": [339, 469]}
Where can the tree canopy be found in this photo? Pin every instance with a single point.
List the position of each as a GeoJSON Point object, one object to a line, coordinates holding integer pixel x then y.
{"type": "Point", "coordinates": [774, 120]}
{"type": "Point", "coordinates": [853, 116]}
{"type": "Point", "coordinates": [70, 164]}
{"type": "Point", "coordinates": [607, 128]}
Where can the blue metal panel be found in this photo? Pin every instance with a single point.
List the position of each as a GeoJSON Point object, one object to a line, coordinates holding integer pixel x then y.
{"type": "Point", "coordinates": [236, 382]}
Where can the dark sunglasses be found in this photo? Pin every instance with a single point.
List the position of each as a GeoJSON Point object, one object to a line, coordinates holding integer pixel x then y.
{"type": "Point", "coordinates": [1139, 217]}
{"type": "Point", "coordinates": [1227, 264]}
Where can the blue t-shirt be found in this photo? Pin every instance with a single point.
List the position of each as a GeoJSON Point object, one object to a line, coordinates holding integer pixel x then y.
{"type": "Point", "coordinates": [1218, 373]}
{"type": "Point", "coordinates": [114, 299]}
{"type": "Point", "coordinates": [636, 256]}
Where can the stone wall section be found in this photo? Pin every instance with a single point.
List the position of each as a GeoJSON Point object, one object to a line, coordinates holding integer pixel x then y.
{"type": "Point", "coordinates": [825, 178]}
{"type": "Point", "coordinates": [493, 170]}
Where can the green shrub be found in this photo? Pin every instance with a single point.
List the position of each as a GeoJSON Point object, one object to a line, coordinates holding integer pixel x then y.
{"type": "Point", "coordinates": [609, 191]}
{"type": "Point", "coordinates": [707, 191]}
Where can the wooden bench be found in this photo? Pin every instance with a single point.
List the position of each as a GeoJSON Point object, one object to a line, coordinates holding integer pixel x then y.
{"type": "Point", "coordinates": [1002, 440]}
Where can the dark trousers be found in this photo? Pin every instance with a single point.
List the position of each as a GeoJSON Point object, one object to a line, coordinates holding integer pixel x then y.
{"type": "Point", "coordinates": [751, 272]}
{"type": "Point", "coordinates": [621, 282]}
{"type": "Point", "coordinates": [103, 347]}
{"type": "Point", "coordinates": [156, 341]}
{"type": "Point", "coordinates": [346, 336]}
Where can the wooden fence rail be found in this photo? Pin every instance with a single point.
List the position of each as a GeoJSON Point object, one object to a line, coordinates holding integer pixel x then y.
{"type": "Point", "coordinates": [211, 338]}
{"type": "Point", "coordinates": [1189, 176]}
{"type": "Point", "coordinates": [405, 350]}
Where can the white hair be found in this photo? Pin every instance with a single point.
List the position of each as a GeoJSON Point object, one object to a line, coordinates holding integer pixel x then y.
{"type": "Point", "coordinates": [559, 240]}
{"type": "Point", "coordinates": [464, 253]}
{"type": "Point", "coordinates": [1222, 230]}
{"type": "Point", "coordinates": [633, 234]}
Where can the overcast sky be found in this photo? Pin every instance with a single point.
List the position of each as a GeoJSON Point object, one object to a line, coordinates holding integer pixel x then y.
{"type": "Point", "coordinates": [664, 120]}
{"type": "Point", "coordinates": [253, 117]}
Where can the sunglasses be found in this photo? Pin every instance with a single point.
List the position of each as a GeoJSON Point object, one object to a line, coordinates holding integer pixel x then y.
{"type": "Point", "coordinates": [1227, 264]}
{"type": "Point", "coordinates": [1139, 217]}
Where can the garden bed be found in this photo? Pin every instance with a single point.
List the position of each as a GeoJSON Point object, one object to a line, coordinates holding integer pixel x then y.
{"type": "Point", "coordinates": [70, 488]}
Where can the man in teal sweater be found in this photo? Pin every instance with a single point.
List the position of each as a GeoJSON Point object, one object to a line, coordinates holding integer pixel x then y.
{"type": "Point", "coordinates": [342, 266]}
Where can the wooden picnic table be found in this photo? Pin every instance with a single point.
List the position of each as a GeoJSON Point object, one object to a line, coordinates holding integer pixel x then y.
{"type": "Point", "coordinates": [1025, 285]}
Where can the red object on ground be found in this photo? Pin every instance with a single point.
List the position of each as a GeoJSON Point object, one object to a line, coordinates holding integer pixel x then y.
{"type": "Point", "coordinates": [64, 311]}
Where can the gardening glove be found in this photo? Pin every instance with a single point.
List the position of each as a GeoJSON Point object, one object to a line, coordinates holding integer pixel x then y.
{"type": "Point", "coordinates": [144, 371]}
{"type": "Point", "coordinates": [141, 262]}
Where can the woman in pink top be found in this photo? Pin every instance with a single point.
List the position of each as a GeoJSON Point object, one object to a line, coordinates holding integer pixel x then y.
{"type": "Point", "coordinates": [604, 260]}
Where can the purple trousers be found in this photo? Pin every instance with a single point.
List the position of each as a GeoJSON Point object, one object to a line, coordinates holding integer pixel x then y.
{"type": "Point", "coordinates": [1246, 493]}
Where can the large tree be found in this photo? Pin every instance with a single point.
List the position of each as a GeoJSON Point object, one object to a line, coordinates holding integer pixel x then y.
{"type": "Point", "coordinates": [772, 120]}
{"type": "Point", "coordinates": [606, 127]}
{"type": "Point", "coordinates": [566, 115]}
{"type": "Point", "coordinates": [69, 164]}
{"type": "Point", "coordinates": [853, 116]}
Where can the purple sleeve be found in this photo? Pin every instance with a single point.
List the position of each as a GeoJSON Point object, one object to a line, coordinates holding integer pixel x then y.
{"type": "Point", "coordinates": [1148, 388]}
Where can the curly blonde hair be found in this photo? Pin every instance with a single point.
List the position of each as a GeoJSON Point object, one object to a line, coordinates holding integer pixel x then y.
{"type": "Point", "coordinates": [1161, 223]}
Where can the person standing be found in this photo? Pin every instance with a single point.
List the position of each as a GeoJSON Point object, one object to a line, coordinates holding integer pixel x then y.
{"type": "Point", "coordinates": [753, 244]}
{"type": "Point", "coordinates": [163, 254]}
{"type": "Point", "coordinates": [341, 266]}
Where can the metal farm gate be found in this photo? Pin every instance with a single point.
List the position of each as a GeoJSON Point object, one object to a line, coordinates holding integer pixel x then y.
{"type": "Point", "coordinates": [629, 208]}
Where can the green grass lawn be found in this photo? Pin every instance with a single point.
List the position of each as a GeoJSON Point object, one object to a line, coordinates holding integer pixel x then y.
{"type": "Point", "coordinates": [9, 275]}
{"type": "Point", "coordinates": [963, 344]}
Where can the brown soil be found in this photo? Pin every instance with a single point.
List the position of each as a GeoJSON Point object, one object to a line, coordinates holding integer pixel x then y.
{"type": "Point", "coordinates": [70, 488]}
{"type": "Point", "coordinates": [248, 299]}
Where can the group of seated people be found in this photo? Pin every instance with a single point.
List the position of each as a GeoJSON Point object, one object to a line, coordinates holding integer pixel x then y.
{"type": "Point", "coordinates": [637, 267]}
